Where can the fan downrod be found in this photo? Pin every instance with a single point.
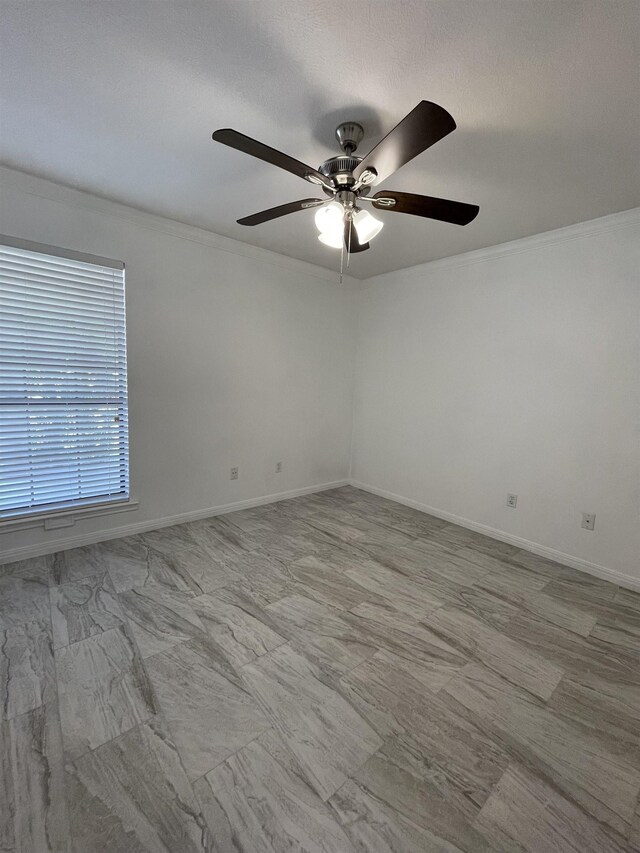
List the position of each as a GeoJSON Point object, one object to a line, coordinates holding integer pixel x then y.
{"type": "Point", "coordinates": [349, 135]}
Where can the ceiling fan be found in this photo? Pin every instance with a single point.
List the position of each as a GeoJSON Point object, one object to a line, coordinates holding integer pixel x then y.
{"type": "Point", "coordinates": [346, 180]}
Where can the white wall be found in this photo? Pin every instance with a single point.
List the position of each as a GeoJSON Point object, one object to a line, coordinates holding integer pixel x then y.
{"type": "Point", "coordinates": [237, 356]}
{"type": "Point", "coordinates": [513, 369]}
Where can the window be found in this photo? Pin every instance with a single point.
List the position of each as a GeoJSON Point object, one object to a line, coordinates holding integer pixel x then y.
{"type": "Point", "coordinates": [63, 380]}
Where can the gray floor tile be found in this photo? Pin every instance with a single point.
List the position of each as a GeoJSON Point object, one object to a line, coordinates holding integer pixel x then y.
{"type": "Point", "coordinates": [408, 595]}
{"type": "Point", "coordinates": [505, 656]}
{"type": "Point", "coordinates": [511, 583]}
{"type": "Point", "coordinates": [253, 518]}
{"type": "Point", "coordinates": [356, 529]}
{"type": "Point", "coordinates": [210, 712]}
{"type": "Point", "coordinates": [618, 626]}
{"type": "Point", "coordinates": [487, 605]}
{"type": "Point", "coordinates": [400, 789]}
{"type": "Point", "coordinates": [103, 688]}
{"type": "Point", "coordinates": [559, 613]}
{"type": "Point", "coordinates": [83, 608]}
{"type": "Point", "coordinates": [461, 537]}
{"type": "Point", "coordinates": [220, 538]}
{"type": "Point", "coordinates": [436, 560]}
{"type": "Point", "coordinates": [34, 569]}
{"type": "Point", "coordinates": [574, 759]}
{"type": "Point", "coordinates": [288, 547]}
{"type": "Point", "coordinates": [606, 713]}
{"type": "Point", "coordinates": [327, 736]}
{"type": "Point", "coordinates": [160, 617]}
{"type": "Point", "coordinates": [169, 540]}
{"type": "Point", "coordinates": [403, 519]}
{"type": "Point", "coordinates": [432, 674]}
{"type": "Point", "coordinates": [397, 704]}
{"type": "Point", "coordinates": [375, 826]}
{"type": "Point", "coordinates": [132, 795]}
{"type": "Point", "coordinates": [613, 671]}
{"type": "Point", "coordinates": [634, 834]}
{"type": "Point", "coordinates": [258, 801]}
{"type": "Point", "coordinates": [237, 624]}
{"type": "Point", "coordinates": [324, 579]}
{"type": "Point", "coordinates": [27, 668]}
{"type": "Point", "coordinates": [333, 672]}
{"type": "Point", "coordinates": [628, 598]}
{"type": "Point", "coordinates": [127, 557]}
{"type": "Point", "coordinates": [33, 812]}
{"type": "Point", "coordinates": [223, 527]}
{"type": "Point", "coordinates": [322, 634]}
{"type": "Point", "coordinates": [544, 566]}
{"type": "Point", "coordinates": [392, 631]}
{"type": "Point", "coordinates": [585, 591]}
{"type": "Point", "coordinates": [260, 575]}
{"type": "Point", "coordinates": [23, 598]}
{"type": "Point", "coordinates": [189, 569]}
{"type": "Point", "coordinates": [526, 813]}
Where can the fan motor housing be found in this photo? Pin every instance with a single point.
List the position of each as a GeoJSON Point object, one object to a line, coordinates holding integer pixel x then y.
{"type": "Point", "coordinates": [340, 169]}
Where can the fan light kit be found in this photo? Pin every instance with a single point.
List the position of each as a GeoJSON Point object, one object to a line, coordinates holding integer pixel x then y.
{"type": "Point", "coordinates": [346, 180]}
{"type": "Point", "coordinates": [330, 223]}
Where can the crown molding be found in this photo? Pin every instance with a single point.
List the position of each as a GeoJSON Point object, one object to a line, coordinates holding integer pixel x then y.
{"type": "Point", "coordinates": [29, 184]}
{"type": "Point", "coordinates": [601, 225]}
{"type": "Point", "coordinates": [60, 193]}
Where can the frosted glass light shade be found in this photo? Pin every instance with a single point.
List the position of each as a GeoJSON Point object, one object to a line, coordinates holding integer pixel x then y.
{"type": "Point", "coordinates": [366, 225]}
{"type": "Point", "coordinates": [329, 218]}
{"type": "Point", "coordinates": [331, 239]}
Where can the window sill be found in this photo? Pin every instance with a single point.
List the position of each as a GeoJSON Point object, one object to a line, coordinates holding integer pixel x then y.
{"type": "Point", "coordinates": [58, 519]}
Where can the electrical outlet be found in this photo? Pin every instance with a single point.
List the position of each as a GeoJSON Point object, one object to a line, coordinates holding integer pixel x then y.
{"type": "Point", "coordinates": [234, 473]}
{"type": "Point", "coordinates": [588, 520]}
{"type": "Point", "coordinates": [278, 467]}
{"type": "Point", "coordinates": [512, 501]}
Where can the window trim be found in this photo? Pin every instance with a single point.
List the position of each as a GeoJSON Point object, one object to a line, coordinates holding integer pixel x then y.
{"type": "Point", "coordinates": [57, 252]}
{"type": "Point", "coordinates": [53, 519]}
{"type": "Point", "coordinates": [51, 516]}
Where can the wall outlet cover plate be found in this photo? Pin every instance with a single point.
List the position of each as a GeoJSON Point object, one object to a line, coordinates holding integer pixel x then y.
{"type": "Point", "coordinates": [588, 520]}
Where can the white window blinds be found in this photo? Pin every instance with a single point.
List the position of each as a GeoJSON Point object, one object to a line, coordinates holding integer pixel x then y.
{"type": "Point", "coordinates": [63, 380]}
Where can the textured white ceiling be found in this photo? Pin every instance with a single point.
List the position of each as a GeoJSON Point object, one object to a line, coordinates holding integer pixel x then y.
{"type": "Point", "coordinates": [120, 98]}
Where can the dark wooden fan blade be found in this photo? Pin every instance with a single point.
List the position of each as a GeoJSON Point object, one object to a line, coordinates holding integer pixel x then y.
{"type": "Point", "coordinates": [352, 243]}
{"type": "Point", "coordinates": [456, 212]}
{"type": "Point", "coordinates": [270, 155]}
{"type": "Point", "coordinates": [421, 128]}
{"type": "Point", "coordinates": [281, 210]}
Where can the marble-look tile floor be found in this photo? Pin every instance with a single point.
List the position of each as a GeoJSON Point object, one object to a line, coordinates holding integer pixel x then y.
{"type": "Point", "coordinates": [331, 673]}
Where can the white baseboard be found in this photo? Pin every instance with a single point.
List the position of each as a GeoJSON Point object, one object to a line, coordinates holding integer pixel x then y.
{"type": "Point", "coordinates": [602, 572]}
{"type": "Point", "coordinates": [41, 548]}
{"type": "Point", "coordinates": [594, 569]}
